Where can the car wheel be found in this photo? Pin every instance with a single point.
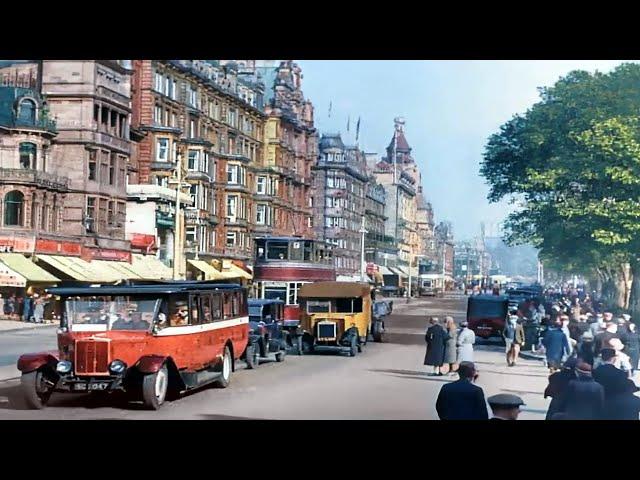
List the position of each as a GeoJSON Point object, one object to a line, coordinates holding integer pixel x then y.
{"type": "Point", "coordinates": [154, 388]}
{"type": "Point", "coordinates": [225, 369]}
{"type": "Point", "coordinates": [35, 389]}
{"type": "Point", "coordinates": [252, 356]}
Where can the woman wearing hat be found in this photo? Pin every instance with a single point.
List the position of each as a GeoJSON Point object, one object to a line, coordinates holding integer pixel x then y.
{"type": "Point", "coordinates": [436, 339]}
{"type": "Point", "coordinates": [466, 340]}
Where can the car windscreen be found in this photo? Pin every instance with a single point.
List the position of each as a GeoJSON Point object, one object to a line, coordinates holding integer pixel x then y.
{"type": "Point", "coordinates": [487, 309]}
{"type": "Point", "coordinates": [111, 312]}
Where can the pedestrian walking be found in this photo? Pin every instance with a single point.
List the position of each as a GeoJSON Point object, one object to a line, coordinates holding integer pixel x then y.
{"type": "Point", "coordinates": [558, 383]}
{"type": "Point", "coordinates": [509, 335]}
{"type": "Point", "coordinates": [28, 307]}
{"type": "Point", "coordinates": [622, 405]}
{"type": "Point", "coordinates": [585, 348]}
{"type": "Point", "coordinates": [2, 312]}
{"type": "Point", "coordinates": [556, 346]}
{"type": "Point", "coordinates": [505, 406]}
{"type": "Point", "coordinates": [567, 333]}
{"type": "Point", "coordinates": [38, 310]}
{"type": "Point", "coordinates": [10, 306]}
{"type": "Point", "coordinates": [436, 339]}
{"type": "Point", "coordinates": [576, 311]}
{"type": "Point", "coordinates": [466, 340]}
{"type": "Point", "coordinates": [462, 400]}
{"type": "Point", "coordinates": [632, 348]}
{"type": "Point", "coordinates": [583, 398]}
{"type": "Point", "coordinates": [603, 339]}
{"type": "Point", "coordinates": [451, 349]}
{"type": "Point", "coordinates": [612, 379]}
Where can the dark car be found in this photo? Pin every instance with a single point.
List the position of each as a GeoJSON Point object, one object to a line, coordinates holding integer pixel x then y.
{"type": "Point", "coordinates": [267, 338]}
{"type": "Point", "coordinates": [487, 314]}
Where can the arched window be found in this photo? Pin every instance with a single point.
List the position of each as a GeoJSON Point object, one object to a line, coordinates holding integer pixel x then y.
{"type": "Point", "coordinates": [28, 153]}
{"type": "Point", "coordinates": [27, 111]}
{"type": "Point", "coordinates": [13, 209]}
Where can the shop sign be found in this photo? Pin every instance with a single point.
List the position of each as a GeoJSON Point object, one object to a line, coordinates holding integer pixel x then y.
{"type": "Point", "coordinates": [9, 278]}
{"type": "Point", "coordinates": [23, 245]}
{"type": "Point", "coordinates": [56, 247]}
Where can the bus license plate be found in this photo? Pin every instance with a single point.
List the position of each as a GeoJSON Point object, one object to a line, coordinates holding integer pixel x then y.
{"type": "Point", "coordinates": [91, 386]}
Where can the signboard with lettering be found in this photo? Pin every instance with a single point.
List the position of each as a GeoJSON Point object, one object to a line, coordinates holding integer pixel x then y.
{"type": "Point", "coordinates": [106, 254]}
{"type": "Point", "coordinates": [9, 278]}
{"type": "Point", "coordinates": [12, 244]}
{"type": "Point", "coordinates": [55, 247]}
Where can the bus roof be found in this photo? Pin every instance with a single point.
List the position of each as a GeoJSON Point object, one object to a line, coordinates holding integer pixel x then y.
{"type": "Point", "coordinates": [168, 288]}
{"type": "Point", "coordinates": [334, 290]}
{"type": "Point", "coordinates": [264, 301]}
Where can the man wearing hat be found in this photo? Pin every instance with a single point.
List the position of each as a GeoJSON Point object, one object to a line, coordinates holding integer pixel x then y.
{"type": "Point", "coordinates": [612, 379]}
{"type": "Point", "coordinates": [505, 406]}
{"type": "Point", "coordinates": [462, 400]}
{"type": "Point", "coordinates": [583, 398]}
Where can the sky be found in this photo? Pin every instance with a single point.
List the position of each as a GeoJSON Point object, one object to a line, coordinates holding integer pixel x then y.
{"type": "Point", "coordinates": [450, 108]}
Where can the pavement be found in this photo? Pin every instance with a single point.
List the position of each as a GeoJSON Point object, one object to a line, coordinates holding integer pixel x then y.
{"type": "Point", "coordinates": [387, 381]}
{"type": "Point", "coordinates": [13, 325]}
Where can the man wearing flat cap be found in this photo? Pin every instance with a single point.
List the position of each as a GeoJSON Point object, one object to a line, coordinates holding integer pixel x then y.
{"type": "Point", "coordinates": [505, 406]}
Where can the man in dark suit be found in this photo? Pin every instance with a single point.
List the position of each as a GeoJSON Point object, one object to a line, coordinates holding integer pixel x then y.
{"type": "Point", "coordinates": [612, 379]}
{"type": "Point", "coordinates": [462, 400]}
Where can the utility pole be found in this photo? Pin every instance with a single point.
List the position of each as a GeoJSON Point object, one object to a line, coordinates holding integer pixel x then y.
{"type": "Point", "coordinates": [177, 229]}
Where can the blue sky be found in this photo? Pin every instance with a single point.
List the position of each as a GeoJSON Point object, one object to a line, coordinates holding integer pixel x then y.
{"type": "Point", "coordinates": [450, 108]}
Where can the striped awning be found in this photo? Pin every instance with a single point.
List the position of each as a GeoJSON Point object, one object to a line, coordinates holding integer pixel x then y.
{"type": "Point", "coordinates": [210, 273]}
{"type": "Point", "coordinates": [78, 269]}
{"type": "Point", "coordinates": [26, 268]}
{"type": "Point", "coordinates": [150, 268]}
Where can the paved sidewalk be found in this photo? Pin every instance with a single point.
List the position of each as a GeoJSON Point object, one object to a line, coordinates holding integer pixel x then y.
{"type": "Point", "coordinates": [13, 325]}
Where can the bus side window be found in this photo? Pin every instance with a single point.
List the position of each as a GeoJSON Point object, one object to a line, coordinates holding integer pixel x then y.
{"type": "Point", "coordinates": [206, 308]}
{"type": "Point", "coordinates": [227, 305]}
{"type": "Point", "coordinates": [216, 306]}
{"type": "Point", "coordinates": [194, 307]}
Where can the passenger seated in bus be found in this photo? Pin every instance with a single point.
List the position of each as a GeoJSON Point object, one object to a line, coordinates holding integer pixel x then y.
{"type": "Point", "coordinates": [180, 315]}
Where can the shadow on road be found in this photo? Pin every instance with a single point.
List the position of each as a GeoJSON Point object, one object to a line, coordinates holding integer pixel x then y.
{"type": "Point", "coordinates": [416, 375]}
{"type": "Point", "coordinates": [230, 417]}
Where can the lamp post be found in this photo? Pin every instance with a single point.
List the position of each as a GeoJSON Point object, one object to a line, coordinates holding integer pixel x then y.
{"type": "Point", "coordinates": [177, 229]}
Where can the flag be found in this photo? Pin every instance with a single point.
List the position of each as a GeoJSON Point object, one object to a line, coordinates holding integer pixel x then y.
{"type": "Point", "coordinates": [330, 105]}
{"type": "Point", "coordinates": [348, 122]}
{"type": "Point", "coordinates": [358, 129]}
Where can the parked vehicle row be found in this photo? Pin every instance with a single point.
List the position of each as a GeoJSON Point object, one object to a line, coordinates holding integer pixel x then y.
{"type": "Point", "coordinates": [156, 341]}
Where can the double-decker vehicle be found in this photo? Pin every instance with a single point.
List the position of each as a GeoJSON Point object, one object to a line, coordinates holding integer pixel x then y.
{"type": "Point", "coordinates": [151, 341]}
{"type": "Point", "coordinates": [267, 338]}
{"type": "Point", "coordinates": [336, 316]}
{"type": "Point", "coordinates": [487, 314]}
{"type": "Point", "coordinates": [431, 284]}
{"type": "Point", "coordinates": [282, 266]}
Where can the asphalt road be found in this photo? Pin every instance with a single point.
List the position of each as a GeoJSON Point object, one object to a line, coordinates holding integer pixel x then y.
{"type": "Point", "coordinates": [386, 381]}
{"type": "Point", "coordinates": [16, 342]}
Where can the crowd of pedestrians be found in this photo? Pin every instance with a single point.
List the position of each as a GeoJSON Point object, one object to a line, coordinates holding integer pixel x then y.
{"type": "Point", "coordinates": [28, 308]}
{"type": "Point", "coordinates": [448, 345]}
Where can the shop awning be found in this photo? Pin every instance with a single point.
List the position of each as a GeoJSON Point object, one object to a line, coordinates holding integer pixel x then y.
{"type": "Point", "coordinates": [27, 268]}
{"type": "Point", "coordinates": [400, 272]}
{"type": "Point", "coordinates": [385, 271]}
{"type": "Point", "coordinates": [210, 273]}
{"type": "Point", "coordinates": [235, 271]}
{"type": "Point", "coordinates": [81, 270]}
{"type": "Point", "coordinates": [123, 269]}
{"type": "Point", "coordinates": [150, 268]}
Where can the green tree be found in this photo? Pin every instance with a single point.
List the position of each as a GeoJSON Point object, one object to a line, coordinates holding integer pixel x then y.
{"type": "Point", "coordinates": [572, 163]}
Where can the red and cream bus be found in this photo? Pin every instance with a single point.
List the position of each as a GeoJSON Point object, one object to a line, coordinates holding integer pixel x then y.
{"type": "Point", "coordinates": [152, 341]}
{"type": "Point", "coordinates": [283, 265]}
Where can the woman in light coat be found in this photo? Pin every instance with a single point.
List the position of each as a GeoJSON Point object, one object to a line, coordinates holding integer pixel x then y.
{"type": "Point", "coordinates": [450, 353]}
{"type": "Point", "coordinates": [466, 340]}
{"type": "Point", "coordinates": [38, 311]}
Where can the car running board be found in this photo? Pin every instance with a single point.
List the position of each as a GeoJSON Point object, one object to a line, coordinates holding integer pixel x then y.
{"type": "Point", "coordinates": [197, 379]}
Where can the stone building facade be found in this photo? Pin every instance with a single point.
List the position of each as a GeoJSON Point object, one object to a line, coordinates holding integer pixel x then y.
{"type": "Point", "coordinates": [340, 181]}
{"type": "Point", "coordinates": [32, 200]}
{"type": "Point", "coordinates": [377, 243]}
{"type": "Point", "coordinates": [91, 102]}
{"type": "Point", "coordinates": [202, 112]}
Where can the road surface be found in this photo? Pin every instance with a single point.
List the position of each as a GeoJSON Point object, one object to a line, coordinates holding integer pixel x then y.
{"type": "Point", "coordinates": [386, 381]}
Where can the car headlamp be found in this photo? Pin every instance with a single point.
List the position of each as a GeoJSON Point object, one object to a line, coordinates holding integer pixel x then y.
{"type": "Point", "coordinates": [63, 366]}
{"type": "Point", "coordinates": [117, 366]}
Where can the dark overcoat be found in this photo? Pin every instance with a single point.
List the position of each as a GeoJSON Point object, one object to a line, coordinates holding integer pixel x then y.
{"type": "Point", "coordinates": [436, 338]}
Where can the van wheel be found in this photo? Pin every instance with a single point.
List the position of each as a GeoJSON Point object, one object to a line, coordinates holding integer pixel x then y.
{"type": "Point", "coordinates": [154, 388]}
{"type": "Point", "coordinates": [225, 369]}
{"type": "Point", "coordinates": [252, 356]}
{"type": "Point", "coordinates": [35, 389]}
{"type": "Point", "coordinates": [354, 347]}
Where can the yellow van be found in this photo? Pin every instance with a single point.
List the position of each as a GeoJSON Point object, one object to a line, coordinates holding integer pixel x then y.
{"type": "Point", "coordinates": [335, 316]}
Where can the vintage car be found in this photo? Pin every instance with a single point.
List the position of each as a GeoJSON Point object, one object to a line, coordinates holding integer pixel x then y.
{"type": "Point", "coordinates": [150, 341]}
{"type": "Point", "coordinates": [431, 284]}
{"type": "Point", "coordinates": [267, 338]}
{"type": "Point", "coordinates": [487, 314]}
{"type": "Point", "coordinates": [335, 316]}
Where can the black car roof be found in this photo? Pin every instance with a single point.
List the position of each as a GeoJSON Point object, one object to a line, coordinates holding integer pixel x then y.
{"type": "Point", "coordinates": [489, 298]}
{"type": "Point", "coordinates": [168, 288]}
